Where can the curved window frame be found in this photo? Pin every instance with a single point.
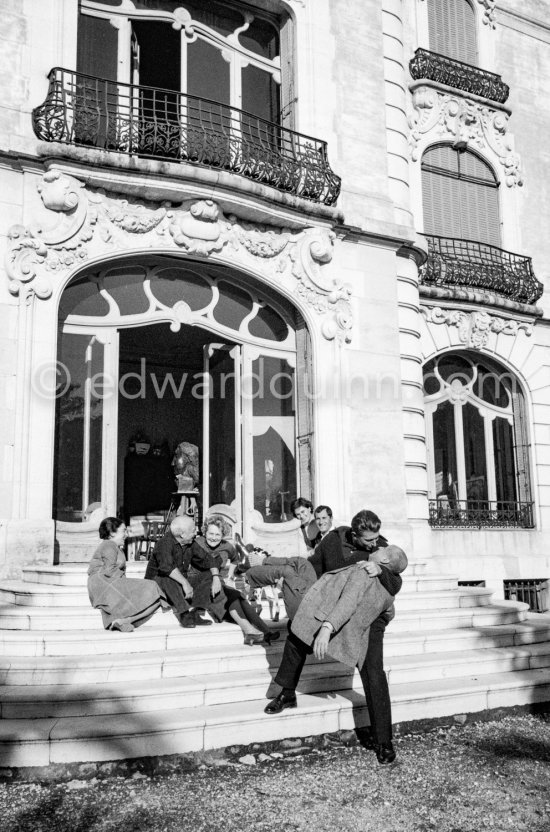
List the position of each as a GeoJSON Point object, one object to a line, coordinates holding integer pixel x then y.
{"type": "Point", "coordinates": [463, 493]}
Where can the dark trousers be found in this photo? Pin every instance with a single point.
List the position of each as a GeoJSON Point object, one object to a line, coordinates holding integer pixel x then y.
{"type": "Point", "coordinates": [373, 677]}
{"type": "Point", "coordinates": [201, 583]}
{"type": "Point", "coordinates": [298, 575]}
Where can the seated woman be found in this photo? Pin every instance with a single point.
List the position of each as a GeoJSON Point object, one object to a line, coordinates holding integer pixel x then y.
{"type": "Point", "coordinates": [230, 603]}
{"type": "Point", "coordinates": [125, 603]}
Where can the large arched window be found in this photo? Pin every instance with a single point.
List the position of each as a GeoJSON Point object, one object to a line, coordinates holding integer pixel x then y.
{"type": "Point", "coordinates": [477, 438]}
{"type": "Point", "coordinates": [452, 29]}
{"type": "Point", "coordinates": [460, 196]}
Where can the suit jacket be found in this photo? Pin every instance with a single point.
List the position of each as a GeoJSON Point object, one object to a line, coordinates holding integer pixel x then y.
{"type": "Point", "coordinates": [350, 600]}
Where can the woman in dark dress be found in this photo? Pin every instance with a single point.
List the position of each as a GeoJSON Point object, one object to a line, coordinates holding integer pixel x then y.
{"type": "Point", "coordinates": [125, 603]}
{"type": "Point", "coordinates": [230, 604]}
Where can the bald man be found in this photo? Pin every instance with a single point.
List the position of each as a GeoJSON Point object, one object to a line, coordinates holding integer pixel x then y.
{"type": "Point", "coordinates": [188, 594]}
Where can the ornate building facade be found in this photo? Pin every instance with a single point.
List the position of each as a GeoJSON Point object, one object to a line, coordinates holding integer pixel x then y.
{"type": "Point", "coordinates": [306, 237]}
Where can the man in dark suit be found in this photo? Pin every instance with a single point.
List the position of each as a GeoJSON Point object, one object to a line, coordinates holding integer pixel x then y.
{"type": "Point", "coordinates": [340, 548]}
{"type": "Point", "coordinates": [169, 566]}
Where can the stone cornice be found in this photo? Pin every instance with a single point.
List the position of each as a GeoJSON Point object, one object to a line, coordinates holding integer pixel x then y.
{"type": "Point", "coordinates": [461, 296]}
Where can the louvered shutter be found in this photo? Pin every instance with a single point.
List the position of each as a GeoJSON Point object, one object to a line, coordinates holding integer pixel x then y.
{"type": "Point", "coordinates": [460, 196]}
{"type": "Point", "coordinates": [452, 29]}
{"type": "Point", "coordinates": [521, 447]}
{"type": "Point", "coordinates": [288, 64]}
{"type": "Point", "coordinates": [304, 411]}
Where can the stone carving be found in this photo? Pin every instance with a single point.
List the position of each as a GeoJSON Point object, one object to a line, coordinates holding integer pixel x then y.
{"type": "Point", "coordinates": [474, 328]}
{"type": "Point", "coordinates": [198, 227]}
{"type": "Point", "coordinates": [450, 116]}
{"type": "Point", "coordinates": [489, 13]}
{"type": "Point", "coordinates": [135, 219]}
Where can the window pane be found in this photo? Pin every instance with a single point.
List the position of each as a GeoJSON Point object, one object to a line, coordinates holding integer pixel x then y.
{"type": "Point", "coordinates": [505, 468]}
{"type": "Point", "coordinates": [262, 38]}
{"type": "Point", "coordinates": [260, 93]}
{"type": "Point", "coordinates": [79, 425]}
{"type": "Point", "coordinates": [97, 47]}
{"type": "Point", "coordinates": [453, 367]}
{"type": "Point", "coordinates": [207, 72]}
{"type": "Point", "coordinates": [221, 465]}
{"type": "Point", "coordinates": [474, 453]}
{"type": "Point", "coordinates": [274, 431]}
{"type": "Point", "coordinates": [446, 481]}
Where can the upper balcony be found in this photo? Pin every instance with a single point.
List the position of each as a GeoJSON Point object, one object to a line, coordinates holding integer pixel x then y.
{"type": "Point", "coordinates": [454, 262]}
{"type": "Point", "coordinates": [461, 76]}
{"type": "Point", "coordinates": [163, 124]}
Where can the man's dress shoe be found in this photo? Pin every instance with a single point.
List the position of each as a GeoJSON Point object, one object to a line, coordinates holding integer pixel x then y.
{"type": "Point", "coordinates": [282, 701]}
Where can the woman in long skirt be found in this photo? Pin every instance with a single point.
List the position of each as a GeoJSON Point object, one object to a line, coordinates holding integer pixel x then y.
{"type": "Point", "coordinates": [125, 603]}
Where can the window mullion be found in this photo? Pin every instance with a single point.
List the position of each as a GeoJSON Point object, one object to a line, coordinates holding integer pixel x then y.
{"type": "Point", "coordinates": [460, 460]}
{"type": "Point", "coordinates": [490, 458]}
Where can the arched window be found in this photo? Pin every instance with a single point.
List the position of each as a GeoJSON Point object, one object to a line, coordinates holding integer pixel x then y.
{"type": "Point", "coordinates": [452, 29]}
{"type": "Point", "coordinates": [460, 196]}
{"type": "Point", "coordinates": [478, 448]}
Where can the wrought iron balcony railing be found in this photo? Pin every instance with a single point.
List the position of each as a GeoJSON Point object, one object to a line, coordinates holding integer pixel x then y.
{"type": "Point", "coordinates": [163, 124]}
{"type": "Point", "coordinates": [459, 75]}
{"type": "Point", "coordinates": [454, 262]}
{"type": "Point", "coordinates": [480, 514]}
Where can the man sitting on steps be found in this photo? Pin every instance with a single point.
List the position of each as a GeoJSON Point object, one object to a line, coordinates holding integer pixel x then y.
{"type": "Point", "coordinates": [169, 565]}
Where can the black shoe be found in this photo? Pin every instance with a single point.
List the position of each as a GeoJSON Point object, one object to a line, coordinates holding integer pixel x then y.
{"type": "Point", "coordinates": [385, 754]}
{"type": "Point", "coordinates": [253, 638]}
{"type": "Point", "coordinates": [187, 619]}
{"type": "Point", "coordinates": [282, 701]}
{"type": "Point", "coordinates": [273, 635]}
{"type": "Point", "coordinates": [199, 621]}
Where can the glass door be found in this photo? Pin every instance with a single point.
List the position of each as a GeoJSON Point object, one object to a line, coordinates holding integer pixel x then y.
{"type": "Point", "coordinates": [221, 448]}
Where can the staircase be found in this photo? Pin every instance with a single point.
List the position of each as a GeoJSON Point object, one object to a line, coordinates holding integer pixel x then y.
{"type": "Point", "coordinates": [73, 692]}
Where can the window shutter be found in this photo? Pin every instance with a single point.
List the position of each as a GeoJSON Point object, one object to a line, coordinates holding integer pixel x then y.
{"type": "Point", "coordinates": [521, 447]}
{"type": "Point", "coordinates": [304, 411]}
{"type": "Point", "coordinates": [452, 29]}
{"type": "Point", "coordinates": [460, 196]}
{"type": "Point", "coordinates": [97, 45]}
{"type": "Point", "coordinates": [288, 64]}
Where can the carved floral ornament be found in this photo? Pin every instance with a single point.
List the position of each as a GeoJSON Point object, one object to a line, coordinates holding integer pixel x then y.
{"type": "Point", "coordinates": [90, 223]}
{"type": "Point", "coordinates": [489, 12]}
{"type": "Point", "coordinates": [474, 328]}
{"type": "Point", "coordinates": [459, 119]}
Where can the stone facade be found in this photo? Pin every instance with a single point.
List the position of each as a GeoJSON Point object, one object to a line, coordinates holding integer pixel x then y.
{"type": "Point", "coordinates": [350, 270]}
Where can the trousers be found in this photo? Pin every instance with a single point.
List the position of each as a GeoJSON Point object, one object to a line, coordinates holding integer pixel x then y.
{"type": "Point", "coordinates": [373, 677]}
{"type": "Point", "coordinates": [298, 575]}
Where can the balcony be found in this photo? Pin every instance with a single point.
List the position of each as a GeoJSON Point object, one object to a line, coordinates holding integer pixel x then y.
{"type": "Point", "coordinates": [434, 67]}
{"type": "Point", "coordinates": [479, 514]}
{"type": "Point", "coordinates": [454, 262]}
{"type": "Point", "coordinates": [163, 124]}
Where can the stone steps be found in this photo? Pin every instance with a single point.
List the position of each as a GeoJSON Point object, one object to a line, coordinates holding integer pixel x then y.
{"type": "Point", "coordinates": [208, 681]}
{"type": "Point", "coordinates": [74, 692]}
{"type": "Point", "coordinates": [40, 742]}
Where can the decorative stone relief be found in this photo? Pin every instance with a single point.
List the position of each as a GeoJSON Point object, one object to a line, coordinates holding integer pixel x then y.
{"type": "Point", "coordinates": [88, 223]}
{"type": "Point", "coordinates": [489, 13]}
{"type": "Point", "coordinates": [474, 328]}
{"type": "Point", "coordinates": [459, 119]}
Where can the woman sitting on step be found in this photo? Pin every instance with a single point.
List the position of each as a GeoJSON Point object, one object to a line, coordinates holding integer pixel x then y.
{"type": "Point", "coordinates": [230, 603]}
{"type": "Point", "coordinates": [125, 603]}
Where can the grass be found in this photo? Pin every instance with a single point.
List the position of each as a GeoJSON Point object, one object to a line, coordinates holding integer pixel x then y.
{"type": "Point", "coordinates": [488, 775]}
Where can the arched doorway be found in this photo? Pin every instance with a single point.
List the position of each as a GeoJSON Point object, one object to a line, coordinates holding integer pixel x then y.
{"type": "Point", "coordinates": [156, 351]}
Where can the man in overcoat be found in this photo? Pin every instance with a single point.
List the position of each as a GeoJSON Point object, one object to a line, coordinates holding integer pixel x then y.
{"type": "Point", "coordinates": [361, 642]}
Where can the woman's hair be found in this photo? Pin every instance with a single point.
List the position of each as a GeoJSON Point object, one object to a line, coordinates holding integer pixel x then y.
{"type": "Point", "coordinates": [365, 521]}
{"type": "Point", "coordinates": [109, 526]}
{"type": "Point", "coordinates": [219, 522]}
{"type": "Point", "coordinates": [301, 502]}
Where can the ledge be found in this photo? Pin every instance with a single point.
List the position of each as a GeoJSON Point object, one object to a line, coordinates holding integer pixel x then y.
{"type": "Point", "coordinates": [458, 296]}
{"type": "Point", "coordinates": [176, 181]}
{"type": "Point", "coordinates": [485, 102]}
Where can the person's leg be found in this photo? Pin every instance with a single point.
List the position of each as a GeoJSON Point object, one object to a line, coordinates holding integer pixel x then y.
{"type": "Point", "coordinates": [375, 685]}
{"type": "Point", "coordinates": [268, 573]}
{"type": "Point", "coordinates": [297, 580]}
{"type": "Point", "coordinates": [288, 675]}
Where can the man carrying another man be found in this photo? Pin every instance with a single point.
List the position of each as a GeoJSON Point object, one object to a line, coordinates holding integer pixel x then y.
{"type": "Point", "coordinates": [351, 607]}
